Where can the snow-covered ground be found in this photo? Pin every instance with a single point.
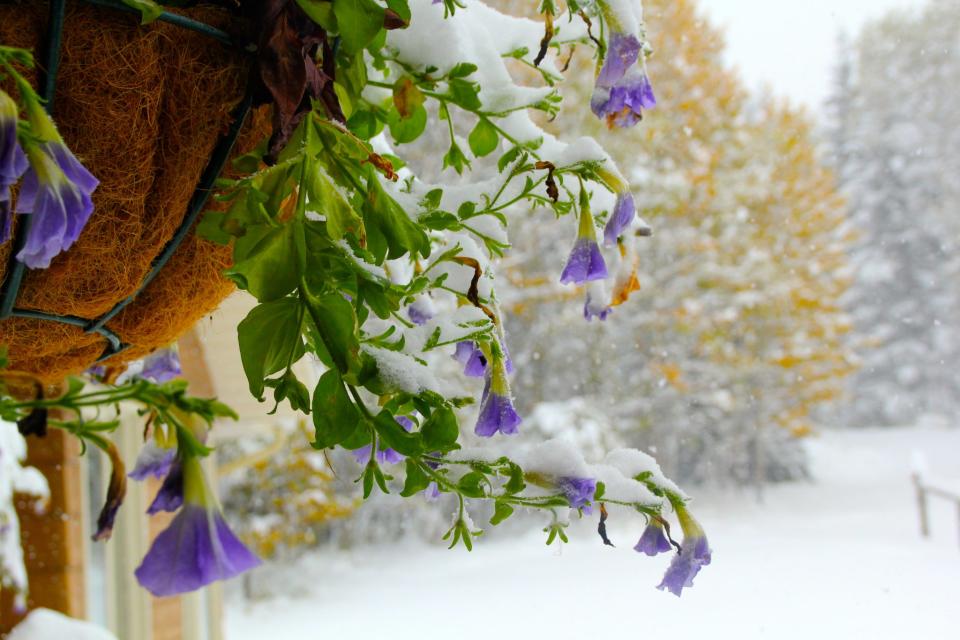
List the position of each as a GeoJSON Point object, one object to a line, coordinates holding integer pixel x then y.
{"type": "Point", "coordinates": [837, 558]}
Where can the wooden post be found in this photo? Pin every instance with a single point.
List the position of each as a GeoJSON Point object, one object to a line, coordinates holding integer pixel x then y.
{"type": "Point", "coordinates": [53, 543]}
{"type": "Point", "coordinates": [922, 506]}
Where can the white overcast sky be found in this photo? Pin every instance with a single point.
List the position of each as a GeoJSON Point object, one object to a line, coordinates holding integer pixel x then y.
{"type": "Point", "coordinates": [789, 45]}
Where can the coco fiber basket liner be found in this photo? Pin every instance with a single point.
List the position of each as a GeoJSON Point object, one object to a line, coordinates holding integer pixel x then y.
{"type": "Point", "coordinates": [151, 111]}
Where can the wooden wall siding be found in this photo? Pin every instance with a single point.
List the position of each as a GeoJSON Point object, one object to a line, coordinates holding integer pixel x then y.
{"type": "Point", "coordinates": [54, 545]}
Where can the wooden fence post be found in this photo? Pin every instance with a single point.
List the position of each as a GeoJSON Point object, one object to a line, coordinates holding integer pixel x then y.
{"type": "Point", "coordinates": [922, 505]}
{"type": "Point", "coordinates": [53, 543]}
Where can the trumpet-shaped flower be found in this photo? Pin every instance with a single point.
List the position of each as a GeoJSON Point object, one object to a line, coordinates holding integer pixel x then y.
{"type": "Point", "coordinates": [585, 262]}
{"type": "Point", "coordinates": [622, 89]}
{"type": "Point", "coordinates": [595, 304]}
{"type": "Point", "coordinates": [384, 455]}
{"type": "Point", "coordinates": [578, 491]}
{"type": "Point", "coordinates": [653, 540]}
{"type": "Point", "coordinates": [162, 365]}
{"type": "Point", "coordinates": [474, 362]}
{"type": "Point", "coordinates": [624, 211]}
{"type": "Point", "coordinates": [421, 311]}
{"type": "Point", "coordinates": [170, 496]}
{"type": "Point", "coordinates": [694, 554]}
{"type": "Point", "coordinates": [197, 548]}
{"type": "Point", "coordinates": [59, 206]}
{"type": "Point", "coordinates": [496, 408]}
{"type": "Point", "coordinates": [56, 191]}
{"type": "Point", "coordinates": [13, 162]}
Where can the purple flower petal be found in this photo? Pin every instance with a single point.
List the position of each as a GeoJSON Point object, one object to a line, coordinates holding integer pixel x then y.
{"type": "Point", "coordinates": [152, 461]}
{"type": "Point", "coordinates": [13, 162]}
{"type": "Point", "coordinates": [623, 49]}
{"type": "Point", "coordinates": [694, 554]}
{"type": "Point", "coordinates": [420, 312]}
{"type": "Point", "coordinates": [162, 365]}
{"type": "Point", "coordinates": [197, 549]}
{"type": "Point", "coordinates": [594, 307]}
{"type": "Point", "coordinates": [170, 496]}
{"type": "Point", "coordinates": [622, 105]}
{"type": "Point", "coordinates": [56, 191]}
{"type": "Point", "coordinates": [497, 414]}
{"type": "Point", "coordinates": [653, 541]}
{"type": "Point", "coordinates": [578, 491]}
{"type": "Point", "coordinates": [584, 264]}
{"type": "Point", "coordinates": [623, 214]}
{"type": "Point", "coordinates": [472, 358]}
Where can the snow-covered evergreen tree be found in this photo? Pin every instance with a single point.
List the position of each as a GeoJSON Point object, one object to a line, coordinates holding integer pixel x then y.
{"type": "Point", "coordinates": [895, 139]}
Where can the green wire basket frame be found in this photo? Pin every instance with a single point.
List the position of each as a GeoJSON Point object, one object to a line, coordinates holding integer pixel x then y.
{"type": "Point", "coordinates": [218, 159]}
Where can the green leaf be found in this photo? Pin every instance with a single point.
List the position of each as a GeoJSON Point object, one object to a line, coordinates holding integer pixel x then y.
{"type": "Point", "coordinates": [336, 323]}
{"type": "Point", "coordinates": [394, 436]}
{"type": "Point", "coordinates": [484, 138]}
{"type": "Point", "coordinates": [335, 417]}
{"type": "Point", "coordinates": [501, 511]}
{"type": "Point", "coordinates": [455, 158]}
{"type": "Point", "coordinates": [149, 10]}
{"type": "Point", "coordinates": [462, 70]}
{"type": "Point", "coordinates": [416, 480]}
{"type": "Point", "coordinates": [321, 12]}
{"type": "Point", "coordinates": [270, 339]}
{"type": "Point", "coordinates": [291, 389]}
{"type": "Point", "coordinates": [325, 199]}
{"type": "Point", "coordinates": [440, 431]}
{"type": "Point", "coordinates": [390, 231]}
{"type": "Point", "coordinates": [406, 130]}
{"type": "Point", "coordinates": [465, 94]}
{"type": "Point", "coordinates": [407, 97]}
{"type": "Point", "coordinates": [472, 485]}
{"type": "Point", "coordinates": [271, 267]}
{"type": "Point", "coordinates": [359, 22]}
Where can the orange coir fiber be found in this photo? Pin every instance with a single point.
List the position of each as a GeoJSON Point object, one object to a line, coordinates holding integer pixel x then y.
{"type": "Point", "coordinates": [142, 107]}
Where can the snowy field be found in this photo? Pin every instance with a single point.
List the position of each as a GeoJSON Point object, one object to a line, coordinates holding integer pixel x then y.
{"type": "Point", "coordinates": [838, 558]}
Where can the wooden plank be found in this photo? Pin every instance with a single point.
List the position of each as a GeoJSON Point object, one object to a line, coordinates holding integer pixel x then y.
{"type": "Point", "coordinates": [54, 548]}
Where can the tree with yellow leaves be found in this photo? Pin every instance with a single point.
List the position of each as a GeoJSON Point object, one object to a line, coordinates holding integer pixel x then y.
{"type": "Point", "coordinates": [736, 335]}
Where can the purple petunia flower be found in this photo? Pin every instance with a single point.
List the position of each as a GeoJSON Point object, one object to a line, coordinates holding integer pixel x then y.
{"type": "Point", "coordinates": [59, 206]}
{"type": "Point", "coordinates": [578, 491]}
{"type": "Point", "coordinates": [653, 541]}
{"type": "Point", "coordinates": [384, 456]}
{"type": "Point", "coordinates": [624, 211]}
{"type": "Point", "coordinates": [421, 311]}
{"type": "Point", "coordinates": [695, 553]}
{"type": "Point", "coordinates": [197, 548]}
{"type": "Point", "coordinates": [471, 357]}
{"type": "Point", "coordinates": [162, 365]}
{"type": "Point", "coordinates": [170, 496]}
{"type": "Point", "coordinates": [496, 408]}
{"type": "Point", "coordinates": [153, 460]}
{"type": "Point", "coordinates": [474, 362]}
{"type": "Point", "coordinates": [622, 105]}
{"type": "Point", "coordinates": [595, 305]}
{"type": "Point", "coordinates": [585, 262]}
{"type": "Point", "coordinates": [623, 50]}
{"type": "Point", "coordinates": [432, 492]}
{"type": "Point", "coordinates": [13, 162]}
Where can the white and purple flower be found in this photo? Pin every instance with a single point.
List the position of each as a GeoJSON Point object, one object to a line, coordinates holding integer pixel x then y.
{"type": "Point", "coordinates": [496, 408]}
{"type": "Point", "coordinates": [654, 540]}
{"type": "Point", "coordinates": [622, 89]}
{"type": "Point", "coordinates": [161, 366]}
{"type": "Point", "coordinates": [694, 554]}
{"type": "Point", "coordinates": [579, 492]}
{"type": "Point", "coordinates": [585, 262]}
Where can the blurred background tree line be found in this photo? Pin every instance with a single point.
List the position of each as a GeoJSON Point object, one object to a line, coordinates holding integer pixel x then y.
{"type": "Point", "coordinates": [802, 275]}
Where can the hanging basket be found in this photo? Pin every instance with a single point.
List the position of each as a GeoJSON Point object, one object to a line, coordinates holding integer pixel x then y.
{"type": "Point", "coordinates": [154, 112]}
